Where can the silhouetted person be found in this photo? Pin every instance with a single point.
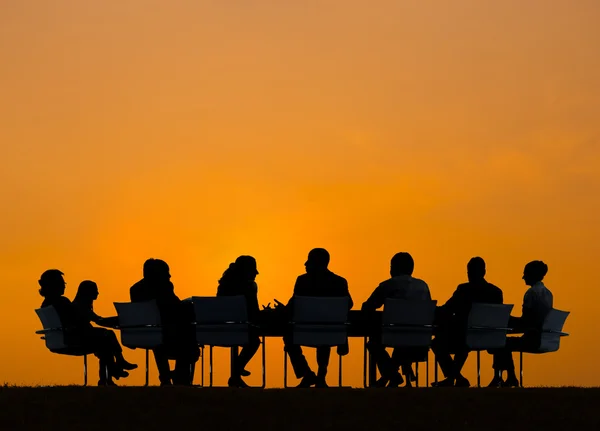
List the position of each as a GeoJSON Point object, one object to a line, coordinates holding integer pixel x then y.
{"type": "Point", "coordinates": [80, 333]}
{"type": "Point", "coordinates": [87, 293]}
{"type": "Point", "coordinates": [453, 319]}
{"type": "Point", "coordinates": [401, 285]}
{"type": "Point", "coordinates": [239, 279]}
{"type": "Point", "coordinates": [537, 303]}
{"type": "Point", "coordinates": [318, 281]}
{"type": "Point", "coordinates": [177, 321]}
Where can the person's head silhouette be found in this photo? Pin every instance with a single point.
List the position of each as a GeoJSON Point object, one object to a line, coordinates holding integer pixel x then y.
{"type": "Point", "coordinates": [52, 283]}
{"type": "Point", "coordinates": [156, 270]}
{"type": "Point", "coordinates": [245, 267]}
{"type": "Point", "coordinates": [534, 272]}
{"type": "Point", "coordinates": [87, 291]}
{"type": "Point", "coordinates": [476, 269]}
{"type": "Point", "coordinates": [402, 264]}
{"type": "Point", "coordinates": [318, 260]}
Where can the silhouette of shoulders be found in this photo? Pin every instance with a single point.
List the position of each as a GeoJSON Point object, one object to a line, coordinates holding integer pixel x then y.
{"type": "Point", "coordinates": [479, 291]}
{"type": "Point", "coordinates": [325, 283]}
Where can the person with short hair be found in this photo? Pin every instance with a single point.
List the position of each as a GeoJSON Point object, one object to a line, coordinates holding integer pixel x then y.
{"type": "Point", "coordinates": [318, 281]}
{"type": "Point", "coordinates": [401, 285]}
{"type": "Point", "coordinates": [453, 317]}
{"type": "Point", "coordinates": [177, 319]}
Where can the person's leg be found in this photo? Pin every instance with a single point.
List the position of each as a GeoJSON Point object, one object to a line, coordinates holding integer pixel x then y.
{"type": "Point", "coordinates": [441, 349]}
{"type": "Point", "coordinates": [186, 356]}
{"type": "Point", "coordinates": [323, 355]}
{"type": "Point", "coordinates": [246, 355]}
{"type": "Point", "coordinates": [460, 357]}
{"type": "Point", "coordinates": [299, 363]}
{"type": "Point", "coordinates": [387, 369]}
{"type": "Point", "coordinates": [240, 362]}
{"type": "Point", "coordinates": [162, 365]}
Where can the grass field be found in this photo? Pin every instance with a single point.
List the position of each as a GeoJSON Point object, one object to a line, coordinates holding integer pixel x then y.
{"type": "Point", "coordinates": [77, 408]}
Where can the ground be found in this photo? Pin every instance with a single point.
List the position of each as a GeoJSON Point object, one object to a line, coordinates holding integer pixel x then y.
{"type": "Point", "coordinates": [128, 408]}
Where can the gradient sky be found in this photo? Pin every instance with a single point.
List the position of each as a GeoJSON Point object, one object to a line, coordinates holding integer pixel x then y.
{"type": "Point", "coordinates": [196, 131]}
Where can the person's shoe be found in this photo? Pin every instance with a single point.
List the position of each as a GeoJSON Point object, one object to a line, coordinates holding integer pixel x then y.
{"type": "Point", "coordinates": [245, 373]}
{"type": "Point", "coordinates": [446, 383]}
{"type": "Point", "coordinates": [321, 382]}
{"type": "Point", "coordinates": [126, 365]}
{"type": "Point", "coordinates": [496, 382]}
{"type": "Point", "coordinates": [461, 382]}
{"type": "Point", "coordinates": [108, 382]}
{"type": "Point", "coordinates": [308, 380]}
{"type": "Point", "coordinates": [118, 373]}
{"type": "Point", "coordinates": [395, 381]}
{"type": "Point", "coordinates": [237, 382]}
{"type": "Point", "coordinates": [511, 382]}
{"type": "Point", "coordinates": [382, 382]}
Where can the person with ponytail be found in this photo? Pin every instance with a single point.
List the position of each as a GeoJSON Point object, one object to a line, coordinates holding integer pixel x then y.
{"type": "Point", "coordinates": [239, 280]}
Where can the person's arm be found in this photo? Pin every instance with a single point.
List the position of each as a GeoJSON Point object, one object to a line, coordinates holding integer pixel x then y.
{"type": "Point", "coordinates": [376, 299]}
{"type": "Point", "coordinates": [454, 302]}
{"type": "Point", "coordinates": [347, 292]}
{"type": "Point", "coordinates": [298, 287]}
{"type": "Point", "coordinates": [528, 311]}
{"type": "Point", "coordinates": [427, 294]}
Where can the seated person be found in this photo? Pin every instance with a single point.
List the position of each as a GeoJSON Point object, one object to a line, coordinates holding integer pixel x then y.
{"type": "Point", "coordinates": [177, 320]}
{"type": "Point", "coordinates": [238, 279]}
{"type": "Point", "coordinates": [537, 303]}
{"type": "Point", "coordinates": [87, 293]}
{"type": "Point", "coordinates": [452, 320]}
{"type": "Point", "coordinates": [401, 285]}
{"type": "Point", "coordinates": [318, 281]}
{"type": "Point", "coordinates": [79, 331]}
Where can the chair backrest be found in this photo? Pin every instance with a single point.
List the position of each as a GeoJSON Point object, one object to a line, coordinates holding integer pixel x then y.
{"type": "Point", "coordinates": [407, 323]}
{"type": "Point", "coordinates": [320, 321]}
{"type": "Point", "coordinates": [221, 320]}
{"type": "Point", "coordinates": [53, 331]}
{"type": "Point", "coordinates": [487, 326]}
{"type": "Point", "coordinates": [140, 324]}
{"type": "Point", "coordinates": [552, 330]}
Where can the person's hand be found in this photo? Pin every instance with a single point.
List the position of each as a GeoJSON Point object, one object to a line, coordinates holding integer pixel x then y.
{"type": "Point", "coordinates": [267, 307]}
{"type": "Point", "coordinates": [278, 304]}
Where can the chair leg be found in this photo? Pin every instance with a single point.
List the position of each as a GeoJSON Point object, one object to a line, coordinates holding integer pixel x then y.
{"type": "Point", "coordinates": [478, 369]}
{"type": "Point", "coordinates": [427, 370]}
{"type": "Point", "coordinates": [264, 363]}
{"type": "Point", "coordinates": [285, 361]}
{"type": "Point", "coordinates": [521, 369]}
{"type": "Point", "coordinates": [210, 366]}
{"type": "Point", "coordinates": [147, 369]}
{"type": "Point", "coordinates": [365, 363]}
{"type": "Point", "coordinates": [85, 379]}
{"type": "Point", "coordinates": [340, 372]}
{"type": "Point", "coordinates": [416, 374]}
{"type": "Point", "coordinates": [202, 365]}
{"type": "Point", "coordinates": [435, 371]}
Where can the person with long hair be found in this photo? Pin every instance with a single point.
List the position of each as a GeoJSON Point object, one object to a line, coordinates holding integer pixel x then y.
{"type": "Point", "coordinates": [239, 279]}
{"type": "Point", "coordinates": [80, 333]}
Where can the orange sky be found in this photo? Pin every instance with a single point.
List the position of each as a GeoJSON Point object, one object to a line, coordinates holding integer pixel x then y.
{"type": "Point", "coordinates": [196, 131]}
